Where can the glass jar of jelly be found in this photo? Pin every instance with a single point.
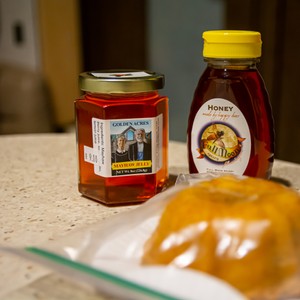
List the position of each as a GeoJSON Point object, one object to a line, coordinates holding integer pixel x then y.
{"type": "Point", "coordinates": [230, 127]}
{"type": "Point", "coordinates": [122, 136]}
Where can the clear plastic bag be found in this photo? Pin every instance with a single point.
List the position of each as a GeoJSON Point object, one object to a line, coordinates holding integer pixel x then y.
{"type": "Point", "coordinates": [114, 253]}
{"type": "Point", "coordinates": [245, 231]}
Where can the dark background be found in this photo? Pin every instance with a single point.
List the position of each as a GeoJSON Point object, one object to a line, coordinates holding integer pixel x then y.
{"type": "Point", "coordinates": [45, 44]}
{"type": "Point", "coordinates": [125, 27]}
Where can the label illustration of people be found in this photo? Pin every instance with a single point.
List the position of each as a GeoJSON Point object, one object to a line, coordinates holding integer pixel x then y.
{"type": "Point", "coordinates": [121, 153]}
{"type": "Point", "coordinates": [131, 147]}
{"type": "Point", "coordinates": [140, 150]}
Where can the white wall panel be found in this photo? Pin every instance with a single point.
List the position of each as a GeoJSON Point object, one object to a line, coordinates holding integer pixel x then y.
{"type": "Point", "coordinates": [18, 33]}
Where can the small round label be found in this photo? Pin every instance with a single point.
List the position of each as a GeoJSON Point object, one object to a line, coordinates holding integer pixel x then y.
{"type": "Point", "coordinates": [220, 138]}
{"type": "Point", "coordinates": [220, 143]}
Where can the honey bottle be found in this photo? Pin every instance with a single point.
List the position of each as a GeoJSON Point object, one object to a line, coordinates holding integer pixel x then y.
{"type": "Point", "coordinates": [230, 128]}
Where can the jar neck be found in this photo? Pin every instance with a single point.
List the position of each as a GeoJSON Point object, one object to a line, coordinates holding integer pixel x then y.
{"type": "Point", "coordinates": [120, 96]}
{"type": "Point", "coordinates": [230, 63]}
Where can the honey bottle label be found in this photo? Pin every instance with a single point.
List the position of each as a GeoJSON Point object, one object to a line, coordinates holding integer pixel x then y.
{"type": "Point", "coordinates": [220, 139]}
{"type": "Point", "coordinates": [126, 147]}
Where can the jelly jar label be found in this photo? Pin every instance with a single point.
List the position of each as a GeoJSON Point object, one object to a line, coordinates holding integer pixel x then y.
{"type": "Point", "coordinates": [125, 147]}
{"type": "Point", "coordinates": [220, 139]}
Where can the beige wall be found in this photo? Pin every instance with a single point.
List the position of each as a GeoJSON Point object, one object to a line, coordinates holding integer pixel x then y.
{"type": "Point", "coordinates": [61, 59]}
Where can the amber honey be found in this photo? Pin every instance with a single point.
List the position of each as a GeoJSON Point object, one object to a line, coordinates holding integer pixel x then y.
{"type": "Point", "coordinates": [103, 120]}
{"type": "Point", "coordinates": [245, 89]}
{"type": "Point", "coordinates": [230, 127]}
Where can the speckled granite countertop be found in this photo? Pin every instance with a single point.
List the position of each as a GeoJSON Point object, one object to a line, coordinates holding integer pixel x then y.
{"type": "Point", "coordinates": [39, 202]}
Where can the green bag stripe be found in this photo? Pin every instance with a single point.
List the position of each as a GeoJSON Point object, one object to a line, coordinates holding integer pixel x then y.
{"type": "Point", "coordinates": [100, 274]}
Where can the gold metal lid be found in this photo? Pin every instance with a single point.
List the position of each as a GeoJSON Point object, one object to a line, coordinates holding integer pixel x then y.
{"type": "Point", "coordinates": [120, 81]}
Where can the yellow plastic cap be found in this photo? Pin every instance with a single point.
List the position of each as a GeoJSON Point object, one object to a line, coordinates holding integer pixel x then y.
{"type": "Point", "coordinates": [231, 44]}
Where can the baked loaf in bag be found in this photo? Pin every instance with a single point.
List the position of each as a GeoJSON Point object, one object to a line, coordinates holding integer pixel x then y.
{"type": "Point", "coordinates": [245, 231]}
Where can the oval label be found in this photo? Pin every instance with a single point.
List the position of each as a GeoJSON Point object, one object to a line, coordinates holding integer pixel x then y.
{"type": "Point", "coordinates": [221, 139]}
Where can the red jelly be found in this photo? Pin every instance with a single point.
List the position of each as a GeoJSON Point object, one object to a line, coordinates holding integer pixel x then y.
{"type": "Point", "coordinates": [122, 136]}
{"type": "Point", "coordinates": [230, 126]}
